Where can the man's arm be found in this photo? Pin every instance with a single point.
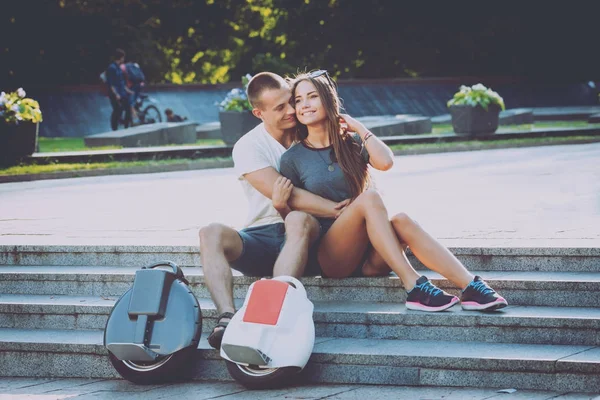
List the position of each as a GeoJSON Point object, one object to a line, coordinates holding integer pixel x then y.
{"type": "Point", "coordinates": [111, 77]}
{"type": "Point", "coordinates": [302, 200]}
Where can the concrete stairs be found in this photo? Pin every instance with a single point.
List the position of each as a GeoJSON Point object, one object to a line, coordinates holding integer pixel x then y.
{"type": "Point", "coordinates": [54, 302]}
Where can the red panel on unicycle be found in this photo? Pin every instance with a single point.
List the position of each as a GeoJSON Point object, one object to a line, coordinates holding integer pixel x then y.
{"type": "Point", "coordinates": [266, 300]}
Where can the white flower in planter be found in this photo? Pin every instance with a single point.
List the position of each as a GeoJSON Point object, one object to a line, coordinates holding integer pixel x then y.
{"type": "Point", "coordinates": [476, 95]}
{"type": "Point", "coordinates": [14, 107]}
{"type": "Point", "coordinates": [236, 99]}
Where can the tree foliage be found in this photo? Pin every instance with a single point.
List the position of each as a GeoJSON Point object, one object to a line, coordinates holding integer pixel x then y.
{"type": "Point", "coordinates": [58, 42]}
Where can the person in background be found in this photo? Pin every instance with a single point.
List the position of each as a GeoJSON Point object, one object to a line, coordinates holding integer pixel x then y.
{"type": "Point", "coordinates": [172, 117]}
{"type": "Point", "coordinates": [117, 90]}
{"type": "Point", "coordinates": [135, 79]}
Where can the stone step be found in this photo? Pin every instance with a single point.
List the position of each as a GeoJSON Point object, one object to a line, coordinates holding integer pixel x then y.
{"type": "Point", "coordinates": [558, 289]}
{"type": "Point", "coordinates": [153, 134]}
{"type": "Point", "coordinates": [475, 258]}
{"type": "Point", "coordinates": [64, 353]}
{"type": "Point", "coordinates": [515, 324]}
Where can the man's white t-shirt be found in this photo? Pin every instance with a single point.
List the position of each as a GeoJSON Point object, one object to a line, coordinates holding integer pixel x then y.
{"type": "Point", "coordinates": [254, 151]}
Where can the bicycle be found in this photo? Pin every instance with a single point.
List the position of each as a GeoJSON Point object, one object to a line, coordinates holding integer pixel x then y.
{"type": "Point", "coordinates": [149, 114]}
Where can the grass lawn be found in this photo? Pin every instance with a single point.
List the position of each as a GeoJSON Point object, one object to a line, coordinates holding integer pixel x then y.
{"type": "Point", "coordinates": [447, 128]}
{"type": "Point", "coordinates": [48, 145]}
{"type": "Point", "coordinates": [490, 144]}
{"type": "Point", "coordinates": [47, 168]}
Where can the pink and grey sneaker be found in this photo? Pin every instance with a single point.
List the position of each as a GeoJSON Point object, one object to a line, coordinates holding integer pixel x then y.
{"type": "Point", "coordinates": [425, 296]}
{"type": "Point", "coordinates": [479, 296]}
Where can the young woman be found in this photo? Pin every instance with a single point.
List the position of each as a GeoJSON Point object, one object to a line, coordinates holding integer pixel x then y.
{"type": "Point", "coordinates": [333, 161]}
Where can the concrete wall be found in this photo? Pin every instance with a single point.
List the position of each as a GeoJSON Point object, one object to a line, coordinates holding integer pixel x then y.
{"type": "Point", "coordinates": [84, 111]}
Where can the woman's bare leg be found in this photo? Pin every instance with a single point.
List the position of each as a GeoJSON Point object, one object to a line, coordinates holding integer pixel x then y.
{"type": "Point", "coordinates": [476, 294]}
{"type": "Point", "coordinates": [430, 252]}
{"type": "Point", "coordinates": [365, 220]}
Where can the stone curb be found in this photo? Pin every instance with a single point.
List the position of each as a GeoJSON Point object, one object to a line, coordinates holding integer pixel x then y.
{"type": "Point", "coordinates": [142, 169]}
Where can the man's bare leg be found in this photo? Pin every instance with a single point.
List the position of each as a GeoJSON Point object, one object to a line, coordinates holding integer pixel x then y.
{"type": "Point", "coordinates": [301, 230]}
{"type": "Point", "coordinates": [219, 244]}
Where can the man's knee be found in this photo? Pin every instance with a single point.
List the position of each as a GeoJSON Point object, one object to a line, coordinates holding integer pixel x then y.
{"type": "Point", "coordinates": [215, 238]}
{"type": "Point", "coordinates": [299, 224]}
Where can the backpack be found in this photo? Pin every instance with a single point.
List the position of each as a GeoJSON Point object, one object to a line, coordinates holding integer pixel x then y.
{"type": "Point", "coordinates": [134, 73]}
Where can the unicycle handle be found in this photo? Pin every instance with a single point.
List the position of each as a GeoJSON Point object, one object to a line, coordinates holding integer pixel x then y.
{"type": "Point", "coordinates": [176, 270]}
{"type": "Point", "coordinates": [295, 282]}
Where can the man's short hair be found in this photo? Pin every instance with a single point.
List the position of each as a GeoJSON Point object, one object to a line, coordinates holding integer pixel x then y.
{"type": "Point", "coordinates": [118, 54]}
{"type": "Point", "coordinates": [261, 82]}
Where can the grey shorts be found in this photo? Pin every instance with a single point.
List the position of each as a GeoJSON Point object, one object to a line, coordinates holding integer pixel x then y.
{"type": "Point", "coordinates": [261, 247]}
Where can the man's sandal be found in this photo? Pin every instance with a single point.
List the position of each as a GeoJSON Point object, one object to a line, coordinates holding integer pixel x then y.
{"type": "Point", "coordinates": [216, 336]}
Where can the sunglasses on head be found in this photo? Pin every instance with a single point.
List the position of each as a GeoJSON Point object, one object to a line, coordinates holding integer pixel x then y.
{"type": "Point", "coordinates": [316, 74]}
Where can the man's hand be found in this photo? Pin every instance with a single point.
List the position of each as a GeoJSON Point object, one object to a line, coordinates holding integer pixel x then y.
{"type": "Point", "coordinates": [282, 190]}
{"type": "Point", "coordinates": [341, 206]}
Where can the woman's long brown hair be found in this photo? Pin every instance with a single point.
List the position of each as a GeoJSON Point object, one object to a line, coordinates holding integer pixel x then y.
{"type": "Point", "coordinates": [345, 150]}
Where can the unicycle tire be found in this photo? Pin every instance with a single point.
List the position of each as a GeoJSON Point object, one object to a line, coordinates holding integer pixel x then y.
{"type": "Point", "coordinates": [174, 367]}
{"type": "Point", "coordinates": [253, 377]}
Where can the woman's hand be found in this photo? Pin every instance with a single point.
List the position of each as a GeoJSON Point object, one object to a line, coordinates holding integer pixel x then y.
{"type": "Point", "coordinates": [282, 190]}
{"type": "Point", "coordinates": [354, 125]}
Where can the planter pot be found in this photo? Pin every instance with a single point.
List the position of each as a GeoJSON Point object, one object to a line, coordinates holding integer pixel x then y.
{"type": "Point", "coordinates": [235, 124]}
{"type": "Point", "coordinates": [17, 141]}
{"type": "Point", "coordinates": [474, 121]}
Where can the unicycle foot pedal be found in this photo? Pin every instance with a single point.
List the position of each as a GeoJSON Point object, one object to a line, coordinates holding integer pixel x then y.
{"type": "Point", "coordinates": [246, 355]}
{"type": "Point", "coordinates": [132, 351]}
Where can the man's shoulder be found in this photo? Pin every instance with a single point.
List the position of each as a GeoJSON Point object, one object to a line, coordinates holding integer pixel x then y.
{"type": "Point", "coordinates": [252, 138]}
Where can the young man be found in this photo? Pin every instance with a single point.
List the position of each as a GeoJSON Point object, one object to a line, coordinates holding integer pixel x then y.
{"type": "Point", "coordinates": [117, 90]}
{"type": "Point", "coordinates": [267, 245]}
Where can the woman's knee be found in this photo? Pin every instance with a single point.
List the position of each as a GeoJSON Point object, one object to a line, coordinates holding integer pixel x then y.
{"type": "Point", "coordinates": [300, 224]}
{"type": "Point", "coordinates": [370, 199]}
{"type": "Point", "coordinates": [370, 196]}
{"type": "Point", "coordinates": [403, 222]}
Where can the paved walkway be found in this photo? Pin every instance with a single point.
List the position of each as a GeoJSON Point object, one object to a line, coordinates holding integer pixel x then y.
{"type": "Point", "coordinates": [540, 196]}
{"type": "Point", "coordinates": [80, 389]}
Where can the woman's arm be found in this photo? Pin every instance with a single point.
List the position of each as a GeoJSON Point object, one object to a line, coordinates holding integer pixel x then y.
{"type": "Point", "coordinates": [381, 156]}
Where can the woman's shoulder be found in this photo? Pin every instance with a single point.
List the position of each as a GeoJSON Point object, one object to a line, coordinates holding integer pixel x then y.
{"type": "Point", "coordinates": [294, 149]}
